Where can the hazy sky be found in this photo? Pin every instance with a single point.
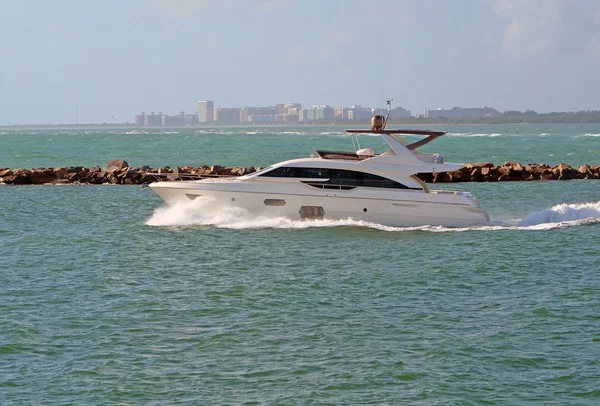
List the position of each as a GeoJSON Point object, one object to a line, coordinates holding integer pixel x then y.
{"type": "Point", "coordinates": [120, 57]}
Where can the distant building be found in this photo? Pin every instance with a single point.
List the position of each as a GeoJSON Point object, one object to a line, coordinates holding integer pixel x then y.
{"type": "Point", "coordinates": [397, 112]}
{"type": "Point", "coordinates": [357, 112]}
{"type": "Point", "coordinates": [323, 112]}
{"type": "Point", "coordinates": [174, 120]}
{"type": "Point", "coordinates": [180, 119]}
{"type": "Point", "coordinates": [291, 118]}
{"type": "Point", "coordinates": [246, 112]}
{"type": "Point", "coordinates": [261, 118]}
{"type": "Point", "coordinates": [227, 115]}
{"type": "Point", "coordinates": [340, 113]}
{"type": "Point", "coordinates": [302, 115]}
{"type": "Point", "coordinates": [165, 120]}
{"type": "Point", "coordinates": [314, 113]}
{"type": "Point", "coordinates": [292, 108]}
{"type": "Point", "coordinates": [140, 119]}
{"type": "Point", "coordinates": [459, 112]}
{"type": "Point", "coordinates": [190, 119]}
{"type": "Point", "coordinates": [206, 111]}
{"type": "Point", "coordinates": [153, 119]}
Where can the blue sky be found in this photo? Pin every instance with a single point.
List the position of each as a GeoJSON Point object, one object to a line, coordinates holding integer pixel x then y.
{"type": "Point", "coordinates": [116, 58]}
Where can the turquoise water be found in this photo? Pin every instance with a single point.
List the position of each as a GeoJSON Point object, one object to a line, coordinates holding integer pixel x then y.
{"type": "Point", "coordinates": [243, 146]}
{"type": "Point", "coordinates": [108, 297]}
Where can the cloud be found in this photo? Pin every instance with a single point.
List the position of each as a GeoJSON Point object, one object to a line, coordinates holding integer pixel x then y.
{"type": "Point", "coordinates": [547, 27]}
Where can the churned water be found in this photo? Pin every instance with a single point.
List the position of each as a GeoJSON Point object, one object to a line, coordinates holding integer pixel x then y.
{"type": "Point", "coordinates": [109, 297]}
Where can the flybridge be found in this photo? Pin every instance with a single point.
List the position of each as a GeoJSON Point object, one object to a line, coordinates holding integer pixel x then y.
{"type": "Point", "coordinates": [378, 124]}
{"type": "Point", "coordinates": [431, 135]}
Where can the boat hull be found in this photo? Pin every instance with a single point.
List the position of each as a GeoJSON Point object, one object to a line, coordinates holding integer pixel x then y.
{"type": "Point", "coordinates": [397, 208]}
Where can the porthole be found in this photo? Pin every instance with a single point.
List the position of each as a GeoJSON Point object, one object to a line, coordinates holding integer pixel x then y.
{"type": "Point", "coordinates": [233, 199]}
{"type": "Point", "coordinates": [365, 209]}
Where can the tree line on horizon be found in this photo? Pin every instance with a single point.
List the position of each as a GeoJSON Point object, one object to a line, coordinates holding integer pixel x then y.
{"type": "Point", "coordinates": [511, 117]}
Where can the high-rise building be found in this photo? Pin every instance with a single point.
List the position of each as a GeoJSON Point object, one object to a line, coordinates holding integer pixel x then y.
{"type": "Point", "coordinates": [140, 119]}
{"type": "Point", "coordinates": [165, 120]}
{"type": "Point", "coordinates": [227, 116]}
{"type": "Point", "coordinates": [340, 113]}
{"type": "Point", "coordinates": [280, 109]}
{"type": "Point", "coordinates": [292, 108]}
{"type": "Point", "coordinates": [359, 113]}
{"type": "Point", "coordinates": [153, 119]}
{"type": "Point", "coordinates": [322, 112]}
{"type": "Point", "coordinates": [206, 111]}
{"type": "Point", "coordinates": [246, 112]}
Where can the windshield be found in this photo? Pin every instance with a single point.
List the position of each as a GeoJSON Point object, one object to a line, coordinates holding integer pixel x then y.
{"type": "Point", "coordinates": [268, 168]}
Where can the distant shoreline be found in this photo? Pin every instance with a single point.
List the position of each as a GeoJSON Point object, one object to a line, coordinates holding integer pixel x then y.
{"type": "Point", "coordinates": [133, 127]}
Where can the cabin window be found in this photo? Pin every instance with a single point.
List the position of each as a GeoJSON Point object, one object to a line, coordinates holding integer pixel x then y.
{"type": "Point", "coordinates": [378, 181]}
{"type": "Point", "coordinates": [338, 178]}
{"type": "Point", "coordinates": [291, 172]}
{"type": "Point", "coordinates": [281, 172]}
{"type": "Point", "coordinates": [343, 177]}
{"type": "Point", "coordinates": [313, 173]}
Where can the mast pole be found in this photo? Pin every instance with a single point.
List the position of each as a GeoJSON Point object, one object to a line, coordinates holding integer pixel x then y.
{"type": "Point", "coordinates": [389, 104]}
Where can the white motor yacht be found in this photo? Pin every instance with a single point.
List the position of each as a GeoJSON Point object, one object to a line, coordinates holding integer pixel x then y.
{"type": "Point", "coordinates": [361, 185]}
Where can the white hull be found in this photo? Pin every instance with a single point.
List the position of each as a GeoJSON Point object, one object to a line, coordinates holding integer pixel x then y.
{"type": "Point", "coordinates": [397, 208]}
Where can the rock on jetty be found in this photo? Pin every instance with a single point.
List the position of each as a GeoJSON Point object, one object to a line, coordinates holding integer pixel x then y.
{"type": "Point", "coordinates": [120, 173]}
{"type": "Point", "coordinates": [512, 171]}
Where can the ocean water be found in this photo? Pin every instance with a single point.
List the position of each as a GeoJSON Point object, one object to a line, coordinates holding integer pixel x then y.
{"type": "Point", "coordinates": [109, 297]}
{"type": "Point", "coordinates": [260, 146]}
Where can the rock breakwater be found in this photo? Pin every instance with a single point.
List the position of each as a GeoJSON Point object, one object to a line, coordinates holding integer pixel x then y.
{"type": "Point", "coordinates": [119, 172]}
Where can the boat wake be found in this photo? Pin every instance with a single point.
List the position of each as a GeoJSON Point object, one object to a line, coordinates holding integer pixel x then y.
{"type": "Point", "coordinates": [211, 213]}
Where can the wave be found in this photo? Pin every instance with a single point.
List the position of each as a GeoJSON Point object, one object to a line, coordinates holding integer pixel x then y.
{"type": "Point", "coordinates": [564, 213]}
{"type": "Point", "coordinates": [473, 134]}
{"type": "Point", "coordinates": [293, 133]}
{"type": "Point", "coordinates": [591, 135]}
{"type": "Point", "coordinates": [205, 212]}
{"type": "Point", "coordinates": [136, 132]}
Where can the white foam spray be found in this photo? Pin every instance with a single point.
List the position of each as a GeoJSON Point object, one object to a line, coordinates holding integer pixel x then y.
{"type": "Point", "coordinates": [212, 213]}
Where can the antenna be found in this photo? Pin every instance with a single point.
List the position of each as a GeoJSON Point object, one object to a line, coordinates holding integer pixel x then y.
{"type": "Point", "coordinates": [389, 104]}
